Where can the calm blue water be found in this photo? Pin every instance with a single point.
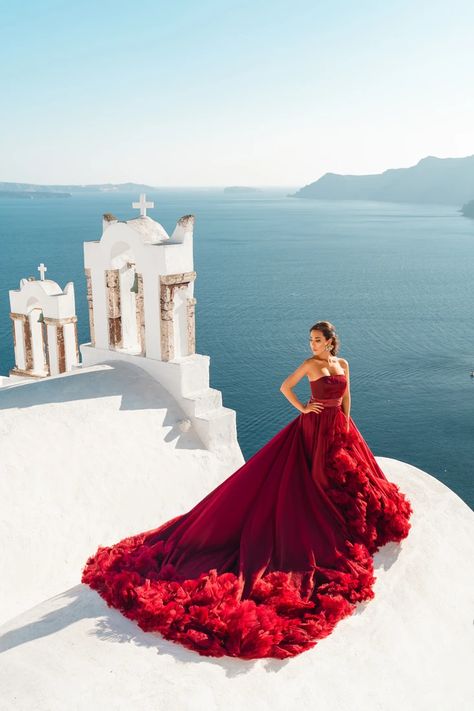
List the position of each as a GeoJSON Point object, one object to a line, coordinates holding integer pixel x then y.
{"type": "Point", "coordinates": [396, 280]}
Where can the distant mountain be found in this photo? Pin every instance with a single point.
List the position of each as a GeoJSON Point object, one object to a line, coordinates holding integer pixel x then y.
{"type": "Point", "coordinates": [32, 194]}
{"type": "Point", "coordinates": [241, 189]}
{"type": "Point", "coordinates": [102, 187]}
{"type": "Point", "coordinates": [433, 180]}
{"type": "Point", "coordinates": [468, 209]}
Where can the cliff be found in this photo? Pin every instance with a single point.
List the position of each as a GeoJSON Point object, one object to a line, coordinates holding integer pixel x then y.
{"type": "Point", "coordinates": [432, 180]}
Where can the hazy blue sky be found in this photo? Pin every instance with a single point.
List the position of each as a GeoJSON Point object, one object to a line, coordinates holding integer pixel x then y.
{"type": "Point", "coordinates": [215, 92]}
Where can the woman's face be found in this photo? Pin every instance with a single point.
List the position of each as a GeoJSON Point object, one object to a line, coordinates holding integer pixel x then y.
{"type": "Point", "coordinates": [317, 342]}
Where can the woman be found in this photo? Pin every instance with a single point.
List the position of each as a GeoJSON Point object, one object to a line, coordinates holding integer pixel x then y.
{"type": "Point", "coordinates": [269, 561]}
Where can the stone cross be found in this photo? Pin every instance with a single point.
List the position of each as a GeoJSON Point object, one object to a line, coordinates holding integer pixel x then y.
{"type": "Point", "coordinates": [142, 205]}
{"type": "Point", "coordinates": [42, 269]}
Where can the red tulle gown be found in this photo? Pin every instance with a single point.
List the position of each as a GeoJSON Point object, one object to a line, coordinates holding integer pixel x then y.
{"type": "Point", "coordinates": [268, 562]}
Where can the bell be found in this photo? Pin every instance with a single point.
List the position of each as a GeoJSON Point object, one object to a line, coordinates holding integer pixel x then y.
{"type": "Point", "coordinates": [134, 286]}
{"type": "Point", "coordinates": [41, 317]}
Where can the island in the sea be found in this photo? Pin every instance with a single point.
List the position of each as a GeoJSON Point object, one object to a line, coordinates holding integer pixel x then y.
{"type": "Point", "coordinates": [448, 181]}
{"type": "Point", "coordinates": [468, 209]}
{"type": "Point", "coordinates": [33, 191]}
{"type": "Point", "coordinates": [32, 194]}
{"type": "Point", "coordinates": [241, 189]}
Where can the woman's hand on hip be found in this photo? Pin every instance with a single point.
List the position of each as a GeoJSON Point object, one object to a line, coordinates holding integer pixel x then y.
{"type": "Point", "coordinates": [316, 407]}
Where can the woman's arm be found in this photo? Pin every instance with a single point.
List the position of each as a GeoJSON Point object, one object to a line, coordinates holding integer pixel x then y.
{"type": "Point", "coordinates": [290, 382]}
{"type": "Point", "coordinates": [346, 398]}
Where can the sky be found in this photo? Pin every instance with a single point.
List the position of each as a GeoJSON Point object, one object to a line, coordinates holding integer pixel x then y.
{"type": "Point", "coordinates": [216, 92]}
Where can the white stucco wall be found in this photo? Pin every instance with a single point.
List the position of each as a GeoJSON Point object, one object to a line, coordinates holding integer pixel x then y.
{"type": "Point", "coordinates": [87, 457]}
{"type": "Point", "coordinates": [70, 345]}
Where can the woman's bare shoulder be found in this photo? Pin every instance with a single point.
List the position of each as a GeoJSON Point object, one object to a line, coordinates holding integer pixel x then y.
{"type": "Point", "coordinates": [343, 363]}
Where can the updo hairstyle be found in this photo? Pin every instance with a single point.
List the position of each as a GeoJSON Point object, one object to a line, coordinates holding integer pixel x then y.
{"type": "Point", "coordinates": [328, 331]}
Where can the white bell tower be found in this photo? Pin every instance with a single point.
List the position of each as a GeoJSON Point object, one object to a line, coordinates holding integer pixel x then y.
{"type": "Point", "coordinates": [44, 327]}
{"type": "Point", "coordinates": [140, 291]}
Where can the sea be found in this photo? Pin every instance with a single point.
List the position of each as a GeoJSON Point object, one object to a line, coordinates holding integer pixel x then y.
{"type": "Point", "coordinates": [396, 280]}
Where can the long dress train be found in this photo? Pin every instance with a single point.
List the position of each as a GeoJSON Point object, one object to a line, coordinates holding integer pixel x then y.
{"type": "Point", "coordinates": [269, 561]}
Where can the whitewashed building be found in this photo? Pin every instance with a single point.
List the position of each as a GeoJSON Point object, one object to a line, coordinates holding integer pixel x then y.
{"type": "Point", "coordinates": [44, 327]}
{"type": "Point", "coordinates": [140, 291]}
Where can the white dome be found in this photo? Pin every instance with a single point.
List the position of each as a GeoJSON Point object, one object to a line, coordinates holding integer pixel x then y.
{"type": "Point", "coordinates": [50, 287]}
{"type": "Point", "coordinates": [150, 229]}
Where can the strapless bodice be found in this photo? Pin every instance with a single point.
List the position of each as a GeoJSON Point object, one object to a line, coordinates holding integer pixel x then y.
{"type": "Point", "coordinates": [328, 389]}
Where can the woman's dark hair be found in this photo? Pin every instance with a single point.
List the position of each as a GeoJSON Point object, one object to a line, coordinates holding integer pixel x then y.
{"type": "Point", "coordinates": [328, 330]}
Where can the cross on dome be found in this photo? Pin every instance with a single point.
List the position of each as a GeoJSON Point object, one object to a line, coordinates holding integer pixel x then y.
{"type": "Point", "coordinates": [42, 269]}
{"type": "Point", "coordinates": [142, 205]}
